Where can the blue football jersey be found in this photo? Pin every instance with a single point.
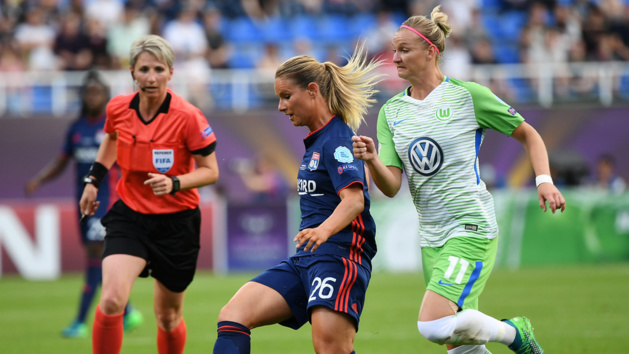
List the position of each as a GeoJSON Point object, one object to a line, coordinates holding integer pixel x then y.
{"type": "Point", "coordinates": [82, 141]}
{"type": "Point", "coordinates": [329, 166]}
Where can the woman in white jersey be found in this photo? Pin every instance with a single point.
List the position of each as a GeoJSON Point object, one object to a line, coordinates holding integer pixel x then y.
{"type": "Point", "coordinates": [433, 131]}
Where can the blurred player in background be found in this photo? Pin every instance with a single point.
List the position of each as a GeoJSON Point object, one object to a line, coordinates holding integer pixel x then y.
{"type": "Point", "coordinates": [81, 143]}
{"type": "Point", "coordinates": [432, 131]}
{"type": "Point", "coordinates": [326, 280]}
{"type": "Point", "coordinates": [165, 149]}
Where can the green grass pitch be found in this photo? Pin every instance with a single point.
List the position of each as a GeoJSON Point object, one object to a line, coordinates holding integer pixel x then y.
{"type": "Point", "coordinates": [573, 309]}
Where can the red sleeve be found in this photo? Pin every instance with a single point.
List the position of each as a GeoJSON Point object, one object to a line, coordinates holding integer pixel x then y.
{"type": "Point", "coordinates": [200, 134]}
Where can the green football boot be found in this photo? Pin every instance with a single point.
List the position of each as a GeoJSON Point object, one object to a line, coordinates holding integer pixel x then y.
{"type": "Point", "coordinates": [75, 330]}
{"type": "Point", "coordinates": [525, 342]}
{"type": "Point", "coordinates": [132, 319]}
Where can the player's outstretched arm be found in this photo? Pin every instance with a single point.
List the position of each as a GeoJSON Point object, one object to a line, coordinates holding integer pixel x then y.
{"type": "Point", "coordinates": [536, 149]}
{"type": "Point", "coordinates": [351, 205]}
{"type": "Point", "coordinates": [387, 178]}
{"type": "Point", "coordinates": [106, 156]}
{"type": "Point", "coordinates": [49, 172]}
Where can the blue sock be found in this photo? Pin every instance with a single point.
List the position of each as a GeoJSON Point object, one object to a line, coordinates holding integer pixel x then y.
{"type": "Point", "coordinates": [93, 278]}
{"type": "Point", "coordinates": [233, 338]}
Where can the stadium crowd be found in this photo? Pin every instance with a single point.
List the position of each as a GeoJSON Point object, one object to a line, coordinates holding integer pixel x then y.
{"type": "Point", "coordinates": [70, 35]}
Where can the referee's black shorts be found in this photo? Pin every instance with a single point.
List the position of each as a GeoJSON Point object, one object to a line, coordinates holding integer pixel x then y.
{"type": "Point", "coordinates": [168, 242]}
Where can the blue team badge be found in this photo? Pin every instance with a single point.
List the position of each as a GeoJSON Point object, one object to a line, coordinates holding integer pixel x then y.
{"type": "Point", "coordinates": [314, 161]}
{"type": "Point", "coordinates": [343, 155]}
{"type": "Point", "coordinates": [163, 159]}
{"type": "Point", "coordinates": [426, 156]}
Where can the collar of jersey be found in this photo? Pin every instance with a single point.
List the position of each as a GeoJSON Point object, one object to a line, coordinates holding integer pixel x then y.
{"type": "Point", "coordinates": [313, 135]}
{"type": "Point", "coordinates": [135, 104]}
{"type": "Point", "coordinates": [407, 92]}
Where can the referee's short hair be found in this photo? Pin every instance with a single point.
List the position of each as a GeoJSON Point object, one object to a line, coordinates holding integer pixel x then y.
{"type": "Point", "coordinates": [155, 45]}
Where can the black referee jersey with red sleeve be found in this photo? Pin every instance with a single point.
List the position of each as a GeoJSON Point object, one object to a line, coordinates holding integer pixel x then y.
{"type": "Point", "coordinates": [328, 167]}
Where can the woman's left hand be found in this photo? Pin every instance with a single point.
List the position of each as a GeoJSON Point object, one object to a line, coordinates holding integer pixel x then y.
{"type": "Point", "coordinates": [547, 192]}
{"type": "Point", "coordinates": [161, 184]}
{"type": "Point", "coordinates": [315, 238]}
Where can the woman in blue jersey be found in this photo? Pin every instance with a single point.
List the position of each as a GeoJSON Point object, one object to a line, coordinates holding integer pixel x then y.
{"type": "Point", "coordinates": [82, 141]}
{"type": "Point", "coordinates": [432, 131]}
{"type": "Point", "coordinates": [326, 280]}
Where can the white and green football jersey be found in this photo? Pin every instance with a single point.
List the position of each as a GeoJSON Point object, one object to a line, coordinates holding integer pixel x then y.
{"type": "Point", "coordinates": [435, 141]}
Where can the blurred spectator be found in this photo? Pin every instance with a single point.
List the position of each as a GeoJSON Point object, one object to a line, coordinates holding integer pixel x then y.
{"type": "Point", "coordinates": [121, 35]}
{"type": "Point", "coordinates": [186, 35]}
{"type": "Point", "coordinates": [378, 38]}
{"type": "Point", "coordinates": [97, 39]}
{"type": "Point", "coordinates": [460, 12]}
{"type": "Point", "coordinates": [457, 60]}
{"type": "Point", "coordinates": [606, 177]}
{"type": "Point", "coordinates": [593, 32]}
{"type": "Point", "coordinates": [271, 58]}
{"type": "Point", "coordinates": [188, 39]}
{"type": "Point", "coordinates": [218, 51]}
{"type": "Point", "coordinates": [10, 60]}
{"type": "Point", "coordinates": [106, 12]}
{"type": "Point", "coordinates": [262, 178]}
{"type": "Point", "coordinates": [36, 39]}
{"type": "Point", "coordinates": [72, 45]}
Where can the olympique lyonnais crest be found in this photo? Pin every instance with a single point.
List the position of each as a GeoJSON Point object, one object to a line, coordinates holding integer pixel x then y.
{"type": "Point", "coordinates": [314, 161]}
{"type": "Point", "coordinates": [163, 159]}
{"type": "Point", "coordinates": [426, 156]}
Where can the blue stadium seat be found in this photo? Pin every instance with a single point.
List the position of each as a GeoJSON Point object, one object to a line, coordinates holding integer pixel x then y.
{"type": "Point", "coordinates": [491, 5]}
{"type": "Point", "coordinates": [361, 23]}
{"type": "Point", "coordinates": [507, 52]}
{"type": "Point", "coordinates": [276, 30]}
{"type": "Point", "coordinates": [332, 28]}
{"type": "Point", "coordinates": [245, 56]}
{"type": "Point", "coordinates": [303, 26]}
{"type": "Point", "coordinates": [511, 24]}
{"type": "Point", "coordinates": [243, 30]}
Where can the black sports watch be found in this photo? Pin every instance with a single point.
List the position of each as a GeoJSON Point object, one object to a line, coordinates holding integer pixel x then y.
{"type": "Point", "coordinates": [176, 185]}
{"type": "Point", "coordinates": [91, 180]}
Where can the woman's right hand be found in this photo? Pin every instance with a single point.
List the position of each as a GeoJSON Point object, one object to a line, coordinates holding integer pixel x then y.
{"type": "Point", "coordinates": [364, 147]}
{"type": "Point", "coordinates": [88, 203]}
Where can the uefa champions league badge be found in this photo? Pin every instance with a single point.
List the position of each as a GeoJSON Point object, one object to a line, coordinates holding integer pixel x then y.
{"type": "Point", "coordinates": [163, 159]}
{"type": "Point", "coordinates": [343, 155]}
{"type": "Point", "coordinates": [314, 161]}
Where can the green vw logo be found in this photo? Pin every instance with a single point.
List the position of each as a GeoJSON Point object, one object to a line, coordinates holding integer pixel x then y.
{"type": "Point", "coordinates": [443, 112]}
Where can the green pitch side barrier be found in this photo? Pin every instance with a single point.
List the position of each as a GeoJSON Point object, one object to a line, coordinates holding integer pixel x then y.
{"type": "Point", "coordinates": [593, 229]}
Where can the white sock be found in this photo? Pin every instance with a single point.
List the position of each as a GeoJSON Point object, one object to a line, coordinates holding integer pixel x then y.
{"type": "Point", "coordinates": [470, 349]}
{"type": "Point", "coordinates": [467, 327]}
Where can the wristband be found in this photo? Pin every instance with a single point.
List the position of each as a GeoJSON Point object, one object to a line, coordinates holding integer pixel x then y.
{"type": "Point", "coordinates": [176, 185]}
{"type": "Point", "coordinates": [543, 179]}
{"type": "Point", "coordinates": [99, 171]}
{"type": "Point", "coordinates": [89, 180]}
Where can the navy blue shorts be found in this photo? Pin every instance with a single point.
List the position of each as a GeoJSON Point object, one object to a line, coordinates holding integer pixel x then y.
{"type": "Point", "coordinates": [331, 281]}
{"type": "Point", "coordinates": [169, 243]}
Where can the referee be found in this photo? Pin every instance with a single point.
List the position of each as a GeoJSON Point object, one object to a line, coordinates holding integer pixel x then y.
{"type": "Point", "coordinates": [157, 138]}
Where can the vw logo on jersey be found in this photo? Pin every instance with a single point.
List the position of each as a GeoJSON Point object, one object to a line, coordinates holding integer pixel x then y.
{"type": "Point", "coordinates": [163, 159]}
{"type": "Point", "coordinates": [444, 112]}
{"type": "Point", "coordinates": [426, 156]}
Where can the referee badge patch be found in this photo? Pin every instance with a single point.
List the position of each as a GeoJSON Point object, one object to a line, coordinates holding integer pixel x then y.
{"type": "Point", "coordinates": [163, 159]}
